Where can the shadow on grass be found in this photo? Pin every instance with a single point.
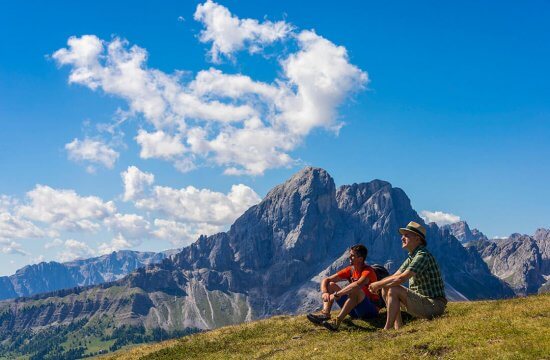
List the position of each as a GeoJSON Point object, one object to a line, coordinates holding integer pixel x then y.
{"type": "Point", "coordinates": [375, 324]}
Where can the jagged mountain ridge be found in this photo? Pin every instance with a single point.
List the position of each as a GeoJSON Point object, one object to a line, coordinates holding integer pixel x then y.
{"type": "Point", "coordinates": [50, 276]}
{"type": "Point", "coordinates": [461, 230]}
{"type": "Point", "coordinates": [522, 261]}
{"type": "Point", "coordinates": [269, 262]}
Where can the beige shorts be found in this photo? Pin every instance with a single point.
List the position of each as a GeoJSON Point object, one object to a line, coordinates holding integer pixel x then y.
{"type": "Point", "coordinates": [424, 307]}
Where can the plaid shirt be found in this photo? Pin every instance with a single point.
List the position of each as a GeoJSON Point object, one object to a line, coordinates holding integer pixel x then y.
{"type": "Point", "coordinates": [427, 280]}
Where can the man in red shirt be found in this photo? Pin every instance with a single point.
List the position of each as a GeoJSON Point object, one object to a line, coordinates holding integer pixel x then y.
{"type": "Point", "coordinates": [354, 299]}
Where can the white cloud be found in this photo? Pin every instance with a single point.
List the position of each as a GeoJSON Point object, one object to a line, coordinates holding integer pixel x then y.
{"type": "Point", "coordinates": [229, 34]}
{"type": "Point", "coordinates": [38, 259]}
{"type": "Point", "coordinates": [7, 203]}
{"type": "Point", "coordinates": [323, 77]}
{"type": "Point", "coordinates": [200, 205]}
{"type": "Point", "coordinates": [93, 151]}
{"type": "Point", "coordinates": [83, 53]}
{"type": "Point", "coordinates": [129, 225]}
{"type": "Point", "coordinates": [182, 234]}
{"type": "Point", "coordinates": [73, 249]}
{"type": "Point", "coordinates": [231, 120]}
{"type": "Point", "coordinates": [122, 71]}
{"type": "Point", "coordinates": [53, 244]}
{"type": "Point", "coordinates": [439, 217]}
{"type": "Point", "coordinates": [159, 145]}
{"type": "Point", "coordinates": [13, 227]}
{"type": "Point", "coordinates": [11, 248]}
{"type": "Point", "coordinates": [119, 242]}
{"type": "Point", "coordinates": [136, 183]}
{"type": "Point", "coordinates": [65, 209]}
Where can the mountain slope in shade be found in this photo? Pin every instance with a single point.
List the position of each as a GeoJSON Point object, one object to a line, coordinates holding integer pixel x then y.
{"type": "Point", "coordinates": [522, 261]}
{"type": "Point", "coordinates": [269, 262]}
{"type": "Point", "coordinates": [51, 276]}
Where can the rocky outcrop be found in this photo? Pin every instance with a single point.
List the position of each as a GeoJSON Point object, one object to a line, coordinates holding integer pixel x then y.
{"type": "Point", "coordinates": [269, 262]}
{"type": "Point", "coordinates": [51, 276]}
{"type": "Point", "coordinates": [522, 261]}
{"type": "Point", "coordinates": [462, 232]}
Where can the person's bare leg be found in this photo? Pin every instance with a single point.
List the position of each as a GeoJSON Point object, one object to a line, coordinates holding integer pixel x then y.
{"type": "Point", "coordinates": [327, 305]}
{"type": "Point", "coordinates": [396, 296]}
{"type": "Point", "coordinates": [398, 320]}
{"type": "Point", "coordinates": [384, 294]}
{"type": "Point", "coordinates": [354, 298]}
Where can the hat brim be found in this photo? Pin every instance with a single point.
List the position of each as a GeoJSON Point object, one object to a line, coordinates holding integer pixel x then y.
{"type": "Point", "coordinates": [402, 231]}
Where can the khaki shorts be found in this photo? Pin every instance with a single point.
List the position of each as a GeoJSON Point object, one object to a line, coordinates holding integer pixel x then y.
{"type": "Point", "coordinates": [424, 307]}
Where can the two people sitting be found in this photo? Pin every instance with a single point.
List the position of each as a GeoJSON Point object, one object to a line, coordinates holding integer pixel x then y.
{"type": "Point", "coordinates": [424, 298]}
{"type": "Point", "coordinates": [355, 299]}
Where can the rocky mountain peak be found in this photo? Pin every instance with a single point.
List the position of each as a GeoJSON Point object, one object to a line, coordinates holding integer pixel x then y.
{"type": "Point", "coordinates": [308, 184]}
{"type": "Point", "coordinates": [542, 237]}
{"type": "Point", "coordinates": [461, 230]}
{"type": "Point", "coordinates": [519, 260]}
{"type": "Point", "coordinates": [295, 221]}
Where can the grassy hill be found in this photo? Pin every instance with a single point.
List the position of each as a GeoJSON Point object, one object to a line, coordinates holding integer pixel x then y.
{"type": "Point", "coordinates": [505, 329]}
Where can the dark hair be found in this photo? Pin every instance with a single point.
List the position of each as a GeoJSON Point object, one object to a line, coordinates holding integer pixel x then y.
{"type": "Point", "coordinates": [360, 250]}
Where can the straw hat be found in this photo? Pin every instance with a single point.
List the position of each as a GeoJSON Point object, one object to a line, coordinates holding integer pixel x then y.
{"type": "Point", "coordinates": [416, 228]}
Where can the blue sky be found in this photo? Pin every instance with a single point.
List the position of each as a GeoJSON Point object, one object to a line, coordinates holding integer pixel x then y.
{"type": "Point", "coordinates": [222, 101]}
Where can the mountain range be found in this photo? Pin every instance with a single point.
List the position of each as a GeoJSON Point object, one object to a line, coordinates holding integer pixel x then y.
{"type": "Point", "coordinates": [269, 262]}
{"type": "Point", "coordinates": [522, 261]}
{"type": "Point", "coordinates": [50, 276]}
{"type": "Point", "coordinates": [461, 230]}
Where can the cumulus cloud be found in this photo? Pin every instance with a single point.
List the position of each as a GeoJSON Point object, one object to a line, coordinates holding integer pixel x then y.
{"type": "Point", "coordinates": [11, 248]}
{"type": "Point", "coordinates": [231, 120]}
{"type": "Point", "coordinates": [121, 70]}
{"type": "Point", "coordinates": [53, 244]}
{"type": "Point", "coordinates": [128, 225]}
{"type": "Point", "coordinates": [136, 183]}
{"type": "Point", "coordinates": [191, 211]}
{"type": "Point", "coordinates": [200, 205]}
{"type": "Point", "coordinates": [119, 242]}
{"type": "Point", "coordinates": [93, 151]}
{"type": "Point", "coordinates": [13, 227]}
{"type": "Point", "coordinates": [439, 217]}
{"type": "Point", "coordinates": [65, 209]}
{"type": "Point", "coordinates": [182, 234]}
{"type": "Point", "coordinates": [38, 259]}
{"type": "Point", "coordinates": [7, 203]}
{"type": "Point", "coordinates": [159, 145]}
{"type": "Point", "coordinates": [229, 34]}
{"type": "Point", "coordinates": [73, 249]}
{"type": "Point", "coordinates": [323, 77]}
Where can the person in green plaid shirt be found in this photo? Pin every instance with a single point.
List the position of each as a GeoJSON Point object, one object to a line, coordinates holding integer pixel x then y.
{"type": "Point", "coordinates": [425, 297]}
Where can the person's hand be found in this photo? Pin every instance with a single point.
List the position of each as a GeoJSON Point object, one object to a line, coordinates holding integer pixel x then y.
{"type": "Point", "coordinates": [374, 287]}
{"type": "Point", "coordinates": [326, 297]}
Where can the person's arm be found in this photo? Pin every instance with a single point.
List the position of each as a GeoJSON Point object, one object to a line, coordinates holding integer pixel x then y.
{"type": "Point", "coordinates": [394, 280]}
{"type": "Point", "coordinates": [362, 281]}
{"type": "Point", "coordinates": [324, 285]}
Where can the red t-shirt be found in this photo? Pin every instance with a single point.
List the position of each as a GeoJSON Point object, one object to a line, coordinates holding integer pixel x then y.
{"type": "Point", "coordinates": [367, 271]}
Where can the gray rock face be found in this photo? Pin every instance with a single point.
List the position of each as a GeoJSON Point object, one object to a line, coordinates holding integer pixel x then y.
{"type": "Point", "coordinates": [462, 232]}
{"type": "Point", "coordinates": [269, 262]}
{"type": "Point", "coordinates": [542, 238]}
{"type": "Point", "coordinates": [51, 276]}
{"type": "Point", "coordinates": [522, 261]}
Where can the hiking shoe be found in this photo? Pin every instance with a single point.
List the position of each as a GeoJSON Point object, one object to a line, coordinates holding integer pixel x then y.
{"type": "Point", "coordinates": [332, 325]}
{"type": "Point", "coordinates": [317, 318]}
